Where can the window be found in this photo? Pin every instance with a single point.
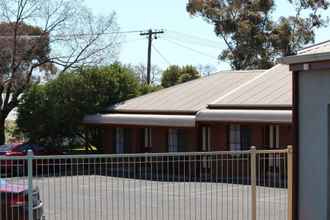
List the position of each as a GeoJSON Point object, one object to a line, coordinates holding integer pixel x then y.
{"type": "Point", "coordinates": [119, 140]}
{"type": "Point", "coordinates": [173, 140]}
{"type": "Point", "coordinates": [176, 140]}
{"type": "Point", "coordinates": [245, 138]}
{"type": "Point", "coordinates": [206, 138]}
{"type": "Point", "coordinates": [239, 137]}
{"type": "Point", "coordinates": [147, 138]}
{"type": "Point", "coordinates": [235, 137]}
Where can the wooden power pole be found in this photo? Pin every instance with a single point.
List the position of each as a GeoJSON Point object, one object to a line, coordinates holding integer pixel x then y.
{"type": "Point", "coordinates": [150, 34]}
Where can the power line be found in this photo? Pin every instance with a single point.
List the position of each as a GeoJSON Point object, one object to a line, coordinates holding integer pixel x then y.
{"type": "Point", "coordinates": [195, 36]}
{"type": "Point", "coordinates": [126, 41]}
{"type": "Point", "coordinates": [74, 35]}
{"type": "Point", "coordinates": [194, 41]}
{"type": "Point", "coordinates": [189, 48]}
{"type": "Point", "coordinates": [161, 55]}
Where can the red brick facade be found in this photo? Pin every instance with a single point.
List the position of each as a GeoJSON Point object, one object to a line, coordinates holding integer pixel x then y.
{"type": "Point", "coordinates": [192, 138]}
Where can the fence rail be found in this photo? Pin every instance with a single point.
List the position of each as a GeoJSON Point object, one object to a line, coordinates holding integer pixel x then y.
{"type": "Point", "coordinates": [254, 184]}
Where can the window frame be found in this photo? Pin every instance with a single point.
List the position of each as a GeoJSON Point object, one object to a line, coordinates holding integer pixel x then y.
{"type": "Point", "coordinates": [120, 141]}
{"type": "Point", "coordinates": [239, 137]}
{"type": "Point", "coordinates": [234, 137]}
{"type": "Point", "coordinates": [147, 138]}
{"type": "Point", "coordinates": [206, 138]}
{"type": "Point", "coordinates": [173, 140]}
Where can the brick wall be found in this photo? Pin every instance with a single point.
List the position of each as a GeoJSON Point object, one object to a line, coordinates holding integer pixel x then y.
{"type": "Point", "coordinates": [192, 137]}
{"type": "Point", "coordinates": [286, 135]}
{"type": "Point", "coordinates": [108, 140]}
{"type": "Point", "coordinates": [219, 137]}
{"type": "Point", "coordinates": [159, 139]}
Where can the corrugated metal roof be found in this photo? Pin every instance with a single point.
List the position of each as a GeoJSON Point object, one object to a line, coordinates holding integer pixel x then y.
{"type": "Point", "coordinates": [190, 96]}
{"type": "Point", "coordinates": [314, 53]}
{"type": "Point", "coordinates": [322, 47]}
{"type": "Point", "coordinates": [271, 88]}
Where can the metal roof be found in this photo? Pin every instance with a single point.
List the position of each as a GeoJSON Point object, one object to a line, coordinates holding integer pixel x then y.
{"type": "Point", "coordinates": [191, 96]}
{"type": "Point", "coordinates": [322, 47]}
{"type": "Point", "coordinates": [314, 53]}
{"type": "Point", "coordinates": [272, 88]}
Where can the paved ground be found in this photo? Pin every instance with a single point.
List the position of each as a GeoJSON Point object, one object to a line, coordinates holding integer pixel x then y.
{"type": "Point", "coordinates": [114, 198]}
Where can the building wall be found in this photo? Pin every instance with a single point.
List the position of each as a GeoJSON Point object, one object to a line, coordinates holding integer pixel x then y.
{"type": "Point", "coordinates": [192, 137]}
{"type": "Point", "coordinates": [313, 169]}
{"type": "Point", "coordinates": [159, 139]}
{"type": "Point", "coordinates": [108, 140]}
{"type": "Point", "coordinates": [258, 135]}
{"type": "Point", "coordinates": [286, 135]}
{"type": "Point", "coordinates": [219, 137]}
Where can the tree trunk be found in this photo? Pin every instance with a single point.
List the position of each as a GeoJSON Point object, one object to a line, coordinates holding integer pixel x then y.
{"type": "Point", "coordinates": [2, 132]}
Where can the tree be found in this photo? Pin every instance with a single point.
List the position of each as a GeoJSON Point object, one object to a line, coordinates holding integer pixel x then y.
{"type": "Point", "coordinates": [174, 75]}
{"type": "Point", "coordinates": [141, 72]}
{"type": "Point", "coordinates": [206, 70]}
{"type": "Point", "coordinates": [42, 37]}
{"type": "Point", "coordinates": [52, 113]}
{"type": "Point", "coordinates": [253, 38]}
{"type": "Point", "coordinates": [145, 88]}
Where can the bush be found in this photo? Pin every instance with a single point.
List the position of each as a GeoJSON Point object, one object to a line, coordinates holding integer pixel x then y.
{"type": "Point", "coordinates": [51, 114]}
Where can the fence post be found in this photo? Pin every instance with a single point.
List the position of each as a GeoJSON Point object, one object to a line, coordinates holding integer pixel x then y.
{"type": "Point", "coordinates": [253, 183]}
{"type": "Point", "coordinates": [30, 183]}
{"type": "Point", "coordinates": [290, 173]}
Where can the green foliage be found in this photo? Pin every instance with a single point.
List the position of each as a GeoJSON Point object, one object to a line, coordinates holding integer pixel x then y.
{"type": "Point", "coordinates": [174, 75]}
{"type": "Point", "coordinates": [145, 88]}
{"type": "Point", "coordinates": [52, 113]}
{"type": "Point", "coordinates": [253, 38]}
{"type": "Point", "coordinates": [35, 48]}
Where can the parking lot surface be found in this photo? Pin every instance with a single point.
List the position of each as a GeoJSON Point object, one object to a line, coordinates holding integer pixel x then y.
{"type": "Point", "coordinates": [95, 197]}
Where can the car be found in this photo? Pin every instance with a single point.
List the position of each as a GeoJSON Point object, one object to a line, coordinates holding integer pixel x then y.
{"type": "Point", "coordinates": [14, 201]}
{"type": "Point", "coordinates": [21, 149]}
{"type": "Point", "coordinates": [14, 167]}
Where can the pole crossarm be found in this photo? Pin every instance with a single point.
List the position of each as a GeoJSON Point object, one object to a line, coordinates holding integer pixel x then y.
{"type": "Point", "coordinates": [150, 33]}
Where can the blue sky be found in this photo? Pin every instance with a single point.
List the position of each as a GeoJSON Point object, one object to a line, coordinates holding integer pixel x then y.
{"type": "Point", "coordinates": [181, 43]}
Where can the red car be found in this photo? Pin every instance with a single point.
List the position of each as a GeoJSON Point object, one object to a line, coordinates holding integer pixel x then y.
{"type": "Point", "coordinates": [14, 202]}
{"type": "Point", "coordinates": [19, 167]}
{"type": "Point", "coordinates": [21, 149]}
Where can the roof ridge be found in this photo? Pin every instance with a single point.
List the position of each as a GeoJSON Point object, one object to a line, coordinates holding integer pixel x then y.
{"type": "Point", "coordinates": [244, 84]}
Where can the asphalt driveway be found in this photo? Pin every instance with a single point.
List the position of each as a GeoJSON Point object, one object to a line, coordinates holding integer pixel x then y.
{"type": "Point", "coordinates": [95, 197]}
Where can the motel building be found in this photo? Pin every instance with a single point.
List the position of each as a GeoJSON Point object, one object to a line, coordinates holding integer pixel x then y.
{"type": "Point", "coordinates": [234, 110]}
{"type": "Point", "coordinates": [229, 110]}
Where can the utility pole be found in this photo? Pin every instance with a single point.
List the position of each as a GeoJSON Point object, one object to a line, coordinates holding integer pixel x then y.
{"type": "Point", "coordinates": [150, 34]}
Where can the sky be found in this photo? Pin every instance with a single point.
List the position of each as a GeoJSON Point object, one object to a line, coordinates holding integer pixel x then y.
{"type": "Point", "coordinates": [187, 39]}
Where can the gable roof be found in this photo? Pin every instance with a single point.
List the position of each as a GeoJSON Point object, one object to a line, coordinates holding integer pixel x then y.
{"type": "Point", "coordinates": [191, 96]}
{"type": "Point", "coordinates": [272, 89]}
